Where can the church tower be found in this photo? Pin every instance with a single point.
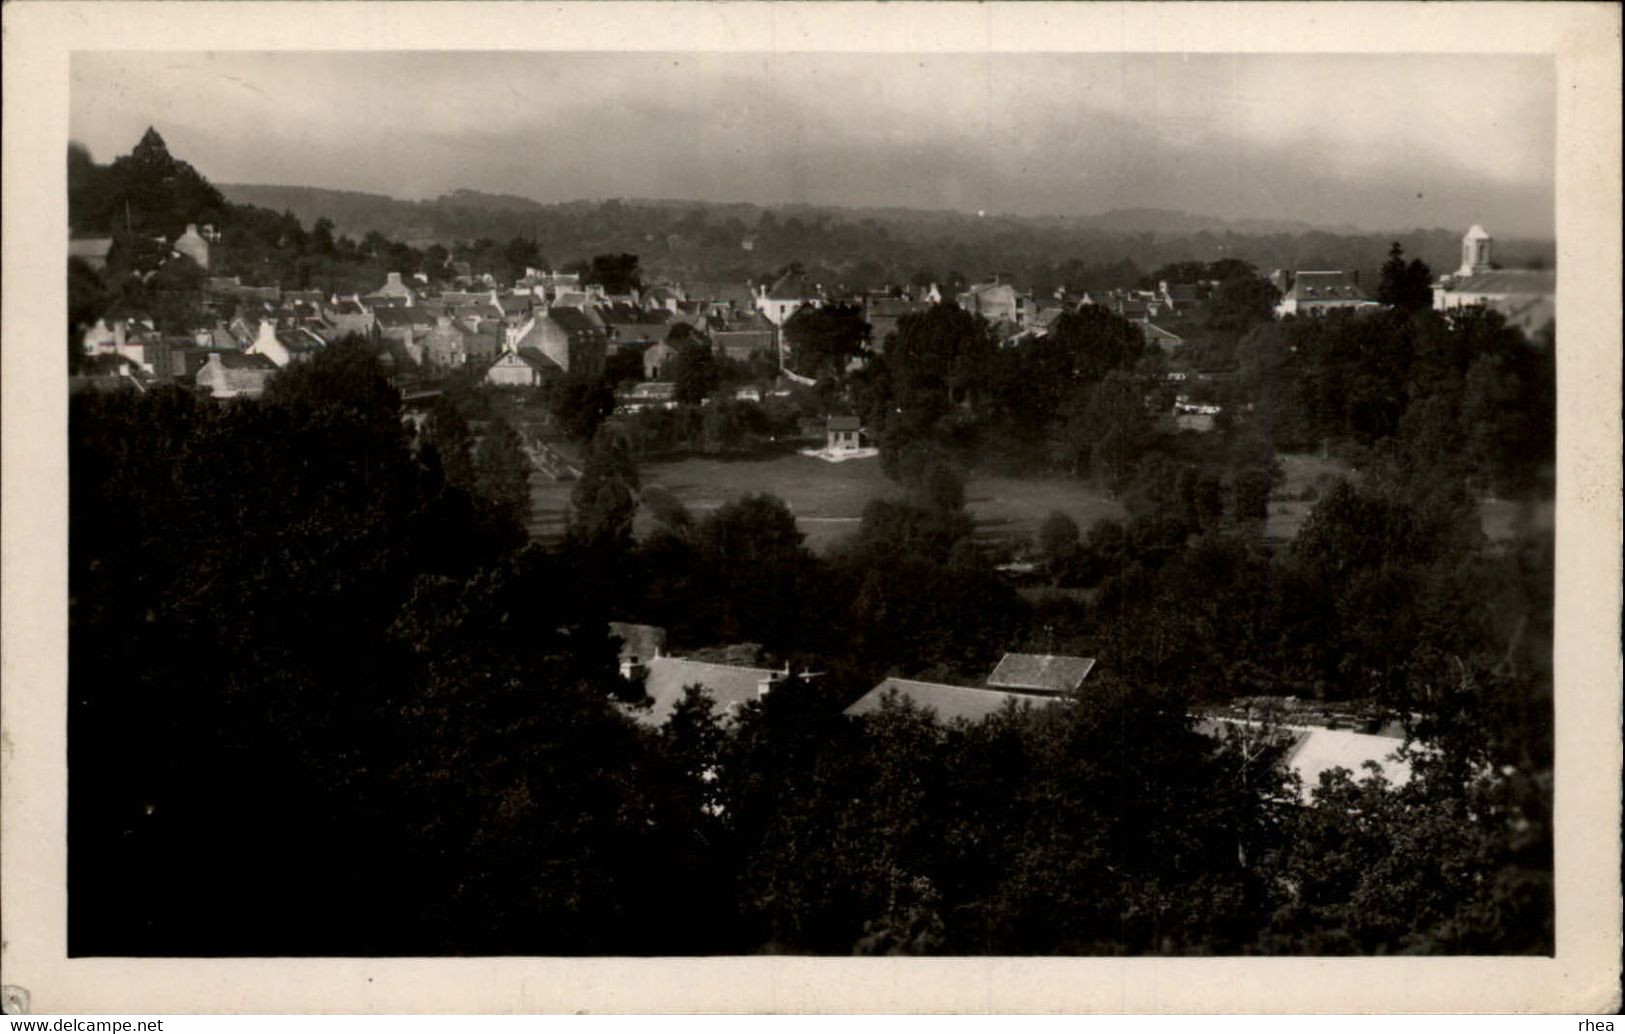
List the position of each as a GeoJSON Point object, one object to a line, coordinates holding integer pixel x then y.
{"type": "Point", "coordinates": [1475, 252]}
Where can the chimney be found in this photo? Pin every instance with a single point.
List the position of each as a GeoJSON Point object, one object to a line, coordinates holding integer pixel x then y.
{"type": "Point", "coordinates": [632, 669]}
{"type": "Point", "coordinates": [394, 280]}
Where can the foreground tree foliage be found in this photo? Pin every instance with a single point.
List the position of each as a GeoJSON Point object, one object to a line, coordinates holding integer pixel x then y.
{"type": "Point", "coordinates": [318, 708]}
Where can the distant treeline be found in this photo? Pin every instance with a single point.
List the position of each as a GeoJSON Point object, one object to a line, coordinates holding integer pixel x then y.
{"type": "Point", "coordinates": [865, 248]}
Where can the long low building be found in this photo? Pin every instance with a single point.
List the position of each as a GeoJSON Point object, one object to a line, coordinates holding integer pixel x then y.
{"type": "Point", "coordinates": [971, 703]}
{"type": "Point", "coordinates": [730, 686]}
{"type": "Point", "coordinates": [1311, 751]}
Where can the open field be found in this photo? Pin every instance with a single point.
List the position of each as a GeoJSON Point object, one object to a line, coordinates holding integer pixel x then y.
{"type": "Point", "coordinates": [828, 498]}
{"type": "Point", "coordinates": [1288, 510]}
{"type": "Point", "coordinates": [1011, 509]}
{"type": "Point", "coordinates": [1502, 518]}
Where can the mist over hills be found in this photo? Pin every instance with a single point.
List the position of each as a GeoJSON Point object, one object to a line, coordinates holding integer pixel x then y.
{"type": "Point", "coordinates": [359, 212]}
{"type": "Point", "coordinates": [707, 240]}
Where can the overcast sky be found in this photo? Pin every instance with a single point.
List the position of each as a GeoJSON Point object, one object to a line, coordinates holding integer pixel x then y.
{"type": "Point", "coordinates": [1380, 142]}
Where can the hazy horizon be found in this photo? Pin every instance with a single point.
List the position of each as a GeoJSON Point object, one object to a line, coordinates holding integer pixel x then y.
{"type": "Point", "coordinates": [1376, 142]}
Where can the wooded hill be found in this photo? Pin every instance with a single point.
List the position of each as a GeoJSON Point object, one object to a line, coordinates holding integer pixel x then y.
{"type": "Point", "coordinates": [867, 246]}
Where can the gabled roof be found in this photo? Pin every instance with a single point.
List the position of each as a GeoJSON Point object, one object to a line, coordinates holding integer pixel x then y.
{"type": "Point", "coordinates": [791, 287]}
{"type": "Point", "coordinates": [534, 358]}
{"type": "Point", "coordinates": [989, 287]}
{"type": "Point", "coordinates": [572, 319]}
{"type": "Point", "coordinates": [620, 312]}
{"type": "Point", "coordinates": [1325, 284]}
{"type": "Point", "coordinates": [244, 361]}
{"type": "Point", "coordinates": [754, 323]}
{"type": "Point", "coordinates": [1178, 293]}
{"type": "Point", "coordinates": [402, 316]}
{"type": "Point", "coordinates": [1508, 281]}
{"type": "Point", "coordinates": [1040, 672]}
{"type": "Point", "coordinates": [729, 686]}
{"type": "Point", "coordinates": [844, 423]}
{"type": "Point", "coordinates": [300, 341]}
{"type": "Point", "coordinates": [894, 307]}
{"type": "Point", "coordinates": [972, 703]}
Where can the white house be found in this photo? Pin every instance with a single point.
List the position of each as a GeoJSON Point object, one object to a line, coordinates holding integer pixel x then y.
{"type": "Point", "coordinates": [789, 293]}
{"type": "Point", "coordinates": [1315, 292]}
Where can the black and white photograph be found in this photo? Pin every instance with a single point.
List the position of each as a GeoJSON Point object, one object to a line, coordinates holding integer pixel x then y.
{"type": "Point", "coordinates": [860, 500]}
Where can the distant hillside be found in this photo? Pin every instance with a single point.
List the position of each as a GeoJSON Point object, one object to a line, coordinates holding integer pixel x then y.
{"type": "Point", "coordinates": [1168, 221]}
{"type": "Point", "coordinates": [862, 246]}
{"type": "Point", "coordinates": [353, 212]}
{"type": "Point", "coordinates": [358, 213]}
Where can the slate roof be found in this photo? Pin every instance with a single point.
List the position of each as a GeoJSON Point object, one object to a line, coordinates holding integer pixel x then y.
{"type": "Point", "coordinates": [1508, 281]}
{"type": "Point", "coordinates": [729, 686]}
{"type": "Point", "coordinates": [719, 290]}
{"type": "Point", "coordinates": [791, 287]}
{"type": "Point", "coordinates": [844, 423]}
{"type": "Point", "coordinates": [1324, 285]}
{"type": "Point", "coordinates": [971, 703]}
{"type": "Point", "coordinates": [402, 316]}
{"type": "Point", "coordinates": [754, 322]}
{"type": "Point", "coordinates": [540, 362]}
{"type": "Point", "coordinates": [572, 319]}
{"type": "Point", "coordinates": [1040, 672]}
{"type": "Point", "coordinates": [894, 307]}
{"type": "Point", "coordinates": [300, 342]}
{"type": "Point", "coordinates": [245, 361]}
{"type": "Point", "coordinates": [1182, 294]}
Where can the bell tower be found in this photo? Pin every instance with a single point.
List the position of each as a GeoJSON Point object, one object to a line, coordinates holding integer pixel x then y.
{"type": "Point", "coordinates": [1475, 252]}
